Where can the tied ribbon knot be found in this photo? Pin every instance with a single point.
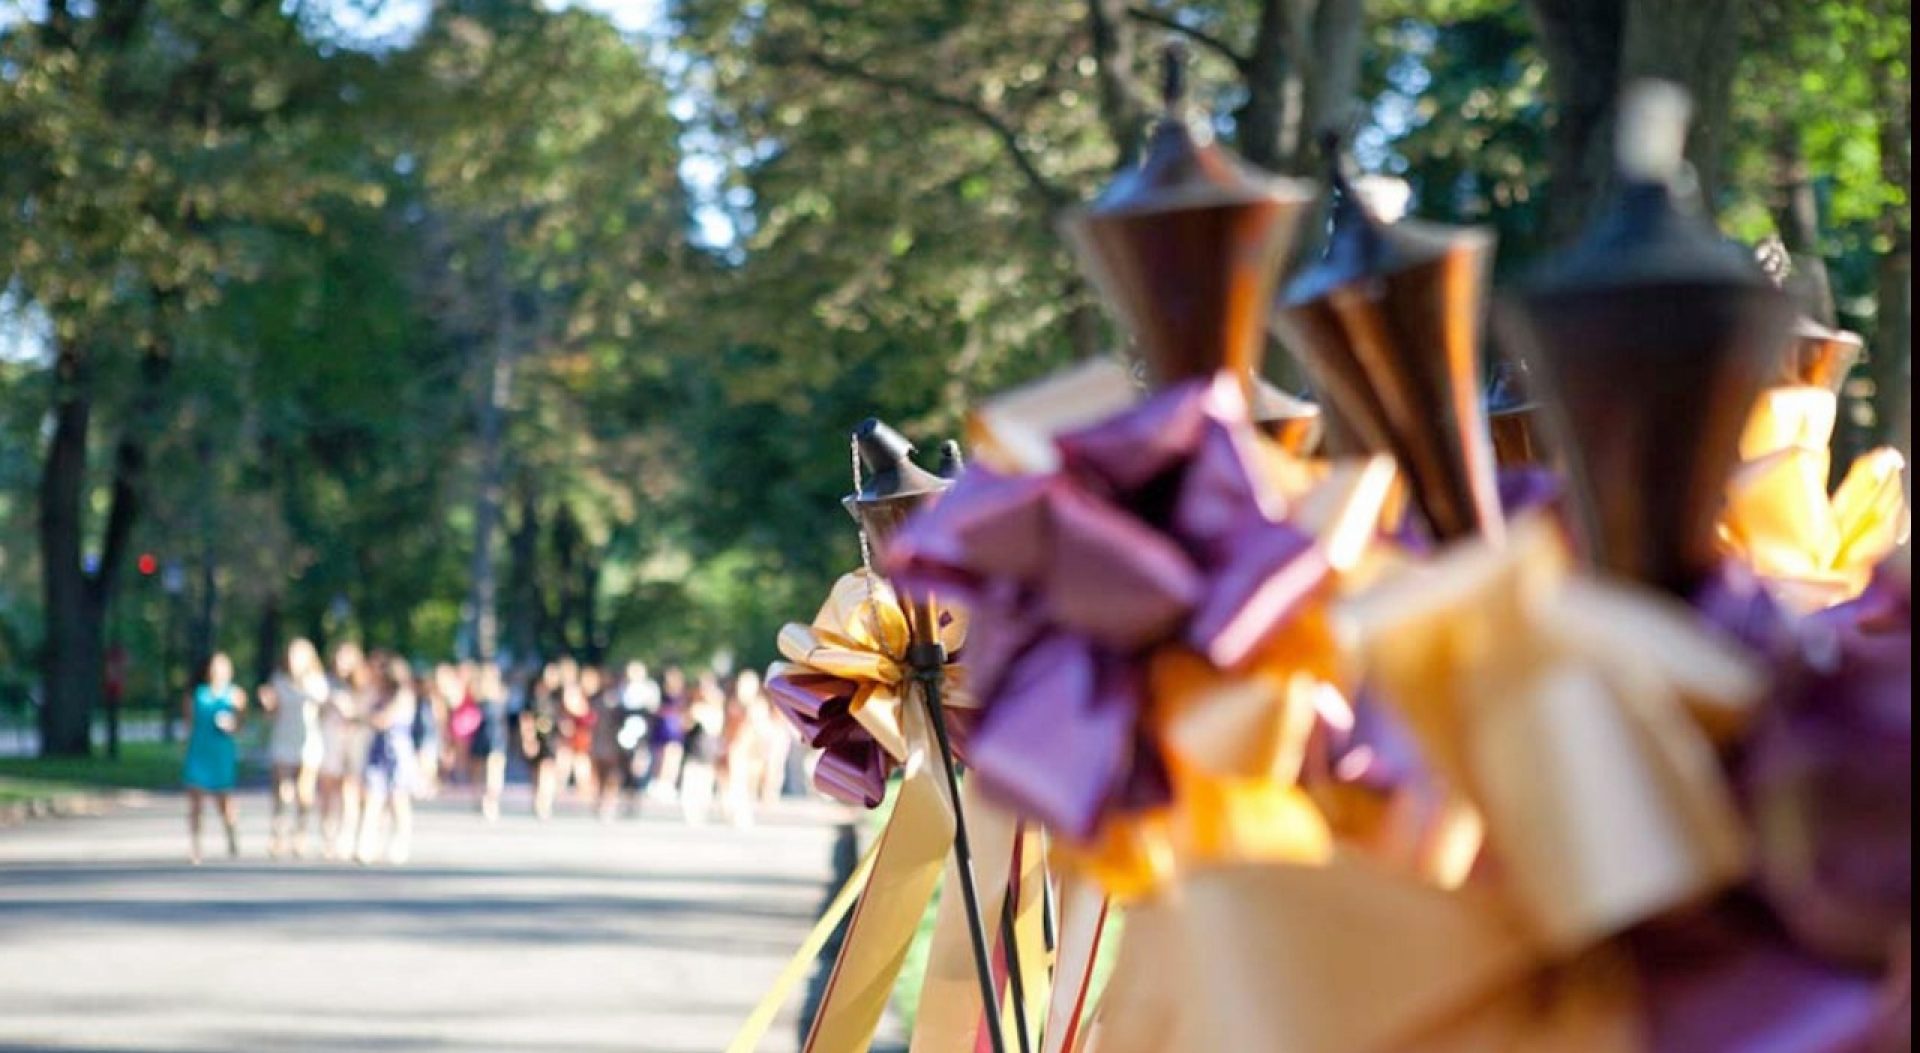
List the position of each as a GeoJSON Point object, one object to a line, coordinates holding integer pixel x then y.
{"type": "Point", "coordinates": [845, 680]}
{"type": "Point", "coordinates": [1149, 646]}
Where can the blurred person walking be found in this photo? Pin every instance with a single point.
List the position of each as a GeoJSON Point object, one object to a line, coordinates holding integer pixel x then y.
{"type": "Point", "coordinates": [487, 748]}
{"type": "Point", "coordinates": [430, 714]}
{"type": "Point", "coordinates": [343, 753]}
{"type": "Point", "coordinates": [706, 725]}
{"type": "Point", "coordinates": [743, 748]}
{"type": "Point", "coordinates": [213, 716]}
{"type": "Point", "coordinates": [669, 735]}
{"type": "Point", "coordinates": [776, 737]}
{"type": "Point", "coordinates": [540, 737]}
{"type": "Point", "coordinates": [391, 770]}
{"type": "Point", "coordinates": [617, 733]}
{"type": "Point", "coordinates": [578, 716]}
{"type": "Point", "coordinates": [640, 697]}
{"type": "Point", "coordinates": [293, 699]}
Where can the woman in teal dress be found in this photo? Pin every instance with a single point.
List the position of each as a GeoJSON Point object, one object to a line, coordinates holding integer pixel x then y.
{"type": "Point", "coordinates": [213, 717]}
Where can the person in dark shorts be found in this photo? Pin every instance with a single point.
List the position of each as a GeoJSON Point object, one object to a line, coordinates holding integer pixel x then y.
{"type": "Point", "coordinates": [669, 734]}
{"type": "Point", "coordinates": [540, 738]}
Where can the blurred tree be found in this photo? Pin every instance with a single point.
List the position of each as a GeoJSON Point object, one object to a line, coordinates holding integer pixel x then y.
{"type": "Point", "coordinates": [147, 149]}
{"type": "Point", "coordinates": [549, 165]}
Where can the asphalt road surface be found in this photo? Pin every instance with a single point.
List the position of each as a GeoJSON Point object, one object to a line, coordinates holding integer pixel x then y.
{"type": "Point", "coordinates": [643, 936]}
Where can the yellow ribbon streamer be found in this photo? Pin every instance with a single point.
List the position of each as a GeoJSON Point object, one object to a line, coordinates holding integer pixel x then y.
{"type": "Point", "coordinates": [757, 1023]}
{"type": "Point", "coordinates": [1082, 924]}
{"type": "Point", "coordinates": [914, 848]}
{"type": "Point", "coordinates": [861, 635]}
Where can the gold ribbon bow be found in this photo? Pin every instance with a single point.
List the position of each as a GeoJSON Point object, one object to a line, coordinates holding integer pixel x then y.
{"type": "Point", "coordinates": [1234, 740]}
{"type": "Point", "coordinates": [1568, 715]}
{"type": "Point", "coordinates": [861, 635]}
{"type": "Point", "coordinates": [1813, 550]}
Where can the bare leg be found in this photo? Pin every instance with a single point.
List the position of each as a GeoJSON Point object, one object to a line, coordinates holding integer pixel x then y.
{"type": "Point", "coordinates": [696, 791]}
{"type": "Point", "coordinates": [583, 775]}
{"type": "Point", "coordinates": [230, 817]}
{"type": "Point", "coordinates": [546, 776]}
{"type": "Point", "coordinates": [373, 806]}
{"type": "Point", "coordinates": [285, 800]}
{"type": "Point", "coordinates": [304, 787]}
{"type": "Point", "coordinates": [400, 844]}
{"type": "Point", "coordinates": [774, 775]}
{"type": "Point", "coordinates": [352, 815]}
{"type": "Point", "coordinates": [496, 783]}
{"type": "Point", "coordinates": [329, 807]}
{"type": "Point", "coordinates": [195, 799]}
{"type": "Point", "coordinates": [666, 781]}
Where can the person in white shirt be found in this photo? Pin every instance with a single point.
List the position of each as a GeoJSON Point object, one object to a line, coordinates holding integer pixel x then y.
{"type": "Point", "coordinates": [292, 700]}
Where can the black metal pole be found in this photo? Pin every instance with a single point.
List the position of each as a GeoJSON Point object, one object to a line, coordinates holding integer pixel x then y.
{"type": "Point", "coordinates": [1010, 939]}
{"type": "Point", "coordinates": [928, 658]}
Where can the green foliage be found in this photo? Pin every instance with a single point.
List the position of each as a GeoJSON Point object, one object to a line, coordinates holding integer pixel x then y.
{"type": "Point", "coordinates": [327, 244]}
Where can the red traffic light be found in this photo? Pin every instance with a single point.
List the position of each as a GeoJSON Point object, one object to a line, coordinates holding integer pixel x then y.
{"type": "Point", "coordinates": [147, 564]}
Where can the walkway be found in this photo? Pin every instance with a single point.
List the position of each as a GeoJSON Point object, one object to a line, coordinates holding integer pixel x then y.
{"type": "Point", "coordinates": [644, 936]}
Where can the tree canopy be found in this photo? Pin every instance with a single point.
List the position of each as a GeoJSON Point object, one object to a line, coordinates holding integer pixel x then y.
{"type": "Point", "coordinates": [523, 334]}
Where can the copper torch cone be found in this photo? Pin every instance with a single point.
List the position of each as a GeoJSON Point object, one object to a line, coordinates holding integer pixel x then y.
{"type": "Point", "coordinates": [1187, 248]}
{"type": "Point", "coordinates": [1389, 325]}
{"type": "Point", "coordinates": [1821, 355]}
{"type": "Point", "coordinates": [1287, 419]}
{"type": "Point", "coordinates": [1513, 418]}
{"type": "Point", "coordinates": [1653, 335]}
{"type": "Point", "coordinates": [891, 487]}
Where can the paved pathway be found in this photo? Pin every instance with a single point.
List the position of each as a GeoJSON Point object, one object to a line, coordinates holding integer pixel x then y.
{"type": "Point", "coordinates": [644, 936]}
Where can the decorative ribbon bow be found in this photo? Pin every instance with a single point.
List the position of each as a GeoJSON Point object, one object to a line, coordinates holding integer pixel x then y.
{"type": "Point", "coordinates": [1150, 642]}
{"type": "Point", "coordinates": [845, 679]}
{"type": "Point", "coordinates": [1569, 714]}
{"type": "Point", "coordinates": [1814, 550]}
{"type": "Point", "coordinates": [847, 686]}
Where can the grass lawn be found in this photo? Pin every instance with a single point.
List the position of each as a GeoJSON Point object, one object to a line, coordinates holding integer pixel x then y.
{"type": "Point", "coordinates": [141, 766]}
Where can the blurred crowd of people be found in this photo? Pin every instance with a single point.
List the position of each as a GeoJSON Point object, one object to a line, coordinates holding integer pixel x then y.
{"type": "Point", "coordinates": [351, 743]}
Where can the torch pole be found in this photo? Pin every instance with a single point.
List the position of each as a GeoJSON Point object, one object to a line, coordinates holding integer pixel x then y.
{"type": "Point", "coordinates": [927, 657]}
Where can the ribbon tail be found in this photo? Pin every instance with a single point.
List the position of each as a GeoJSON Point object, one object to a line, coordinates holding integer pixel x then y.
{"type": "Point", "coordinates": [755, 1028]}
{"type": "Point", "coordinates": [1029, 921]}
{"type": "Point", "coordinates": [1140, 1012]}
{"type": "Point", "coordinates": [906, 870]}
{"type": "Point", "coordinates": [950, 1016]}
{"type": "Point", "coordinates": [1083, 921]}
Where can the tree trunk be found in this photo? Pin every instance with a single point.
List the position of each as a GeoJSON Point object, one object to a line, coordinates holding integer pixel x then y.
{"type": "Point", "coordinates": [1695, 45]}
{"type": "Point", "coordinates": [1892, 349]}
{"type": "Point", "coordinates": [590, 630]}
{"type": "Point", "coordinates": [496, 385]}
{"type": "Point", "coordinates": [1113, 41]}
{"type": "Point", "coordinates": [1581, 40]}
{"type": "Point", "coordinates": [77, 599]}
{"type": "Point", "coordinates": [566, 551]}
{"type": "Point", "coordinates": [70, 681]}
{"type": "Point", "coordinates": [1595, 48]}
{"type": "Point", "coordinates": [523, 594]}
{"type": "Point", "coordinates": [1260, 120]}
{"type": "Point", "coordinates": [1892, 353]}
{"type": "Point", "coordinates": [266, 644]}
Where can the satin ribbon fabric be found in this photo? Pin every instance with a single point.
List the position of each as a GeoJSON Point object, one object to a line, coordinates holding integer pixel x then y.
{"type": "Point", "coordinates": [1813, 549]}
{"type": "Point", "coordinates": [846, 684]}
{"type": "Point", "coordinates": [844, 681]}
{"type": "Point", "coordinates": [1609, 907]}
{"type": "Point", "coordinates": [1150, 634]}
